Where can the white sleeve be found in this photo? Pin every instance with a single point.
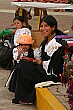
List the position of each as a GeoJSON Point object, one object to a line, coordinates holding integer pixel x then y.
{"type": "Point", "coordinates": [15, 53]}
{"type": "Point", "coordinates": [45, 65]}
{"type": "Point", "coordinates": [37, 54]}
{"type": "Point", "coordinates": [17, 33]}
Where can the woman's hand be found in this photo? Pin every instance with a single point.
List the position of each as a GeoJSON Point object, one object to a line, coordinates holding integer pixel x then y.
{"type": "Point", "coordinates": [39, 62]}
{"type": "Point", "coordinates": [13, 31]}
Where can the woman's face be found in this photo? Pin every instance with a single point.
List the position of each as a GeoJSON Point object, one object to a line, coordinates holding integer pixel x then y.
{"type": "Point", "coordinates": [18, 24]}
{"type": "Point", "coordinates": [46, 30]}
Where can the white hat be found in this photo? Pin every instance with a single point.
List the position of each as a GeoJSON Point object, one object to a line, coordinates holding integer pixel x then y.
{"type": "Point", "coordinates": [20, 32]}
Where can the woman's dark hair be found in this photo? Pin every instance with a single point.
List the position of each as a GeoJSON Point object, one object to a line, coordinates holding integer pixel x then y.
{"type": "Point", "coordinates": [20, 18]}
{"type": "Point", "coordinates": [50, 20]}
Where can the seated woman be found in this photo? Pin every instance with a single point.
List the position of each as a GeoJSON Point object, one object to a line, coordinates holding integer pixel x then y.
{"type": "Point", "coordinates": [6, 58]}
{"type": "Point", "coordinates": [30, 71]}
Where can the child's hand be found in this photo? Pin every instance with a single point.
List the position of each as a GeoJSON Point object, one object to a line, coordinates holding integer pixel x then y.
{"type": "Point", "coordinates": [20, 49]}
{"type": "Point", "coordinates": [25, 58]}
{"type": "Point", "coordinates": [39, 62]}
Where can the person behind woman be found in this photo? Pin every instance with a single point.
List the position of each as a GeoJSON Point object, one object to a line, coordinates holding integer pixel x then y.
{"type": "Point", "coordinates": [20, 25]}
{"type": "Point", "coordinates": [30, 73]}
{"type": "Point", "coordinates": [6, 59]}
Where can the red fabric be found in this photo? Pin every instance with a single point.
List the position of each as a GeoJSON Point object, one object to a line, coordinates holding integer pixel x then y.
{"type": "Point", "coordinates": [31, 59]}
{"type": "Point", "coordinates": [70, 44]}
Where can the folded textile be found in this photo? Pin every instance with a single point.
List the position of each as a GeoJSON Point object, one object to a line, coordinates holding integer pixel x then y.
{"type": "Point", "coordinates": [46, 84]}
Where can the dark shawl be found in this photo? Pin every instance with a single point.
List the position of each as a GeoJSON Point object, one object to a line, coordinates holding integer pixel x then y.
{"type": "Point", "coordinates": [56, 61]}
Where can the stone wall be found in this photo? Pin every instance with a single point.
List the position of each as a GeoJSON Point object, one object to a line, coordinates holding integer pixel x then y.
{"type": "Point", "coordinates": [65, 20]}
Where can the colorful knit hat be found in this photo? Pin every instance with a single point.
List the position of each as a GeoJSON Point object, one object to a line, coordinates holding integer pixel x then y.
{"type": "Point", "coordinates": [25, 39]}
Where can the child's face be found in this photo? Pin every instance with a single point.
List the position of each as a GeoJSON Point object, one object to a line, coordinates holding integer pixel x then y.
{"type": "Point", "coordinates": [25, 47]}
{"type": "Point", "coordinates": [18, 24]}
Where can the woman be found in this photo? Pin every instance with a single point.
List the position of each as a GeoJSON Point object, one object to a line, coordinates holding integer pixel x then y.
{"type": "Point", "coordinates": [6, 59]}
{"type": "Point", "coordinates": [52, 47]}
{"type": "Point", "coordinates": [30, 73]}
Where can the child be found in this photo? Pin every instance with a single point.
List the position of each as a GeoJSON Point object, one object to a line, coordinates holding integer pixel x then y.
{"type": "Point", "coordinates": [23, 51]}
{"type": "Point", "coordinates": [31, 71]}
